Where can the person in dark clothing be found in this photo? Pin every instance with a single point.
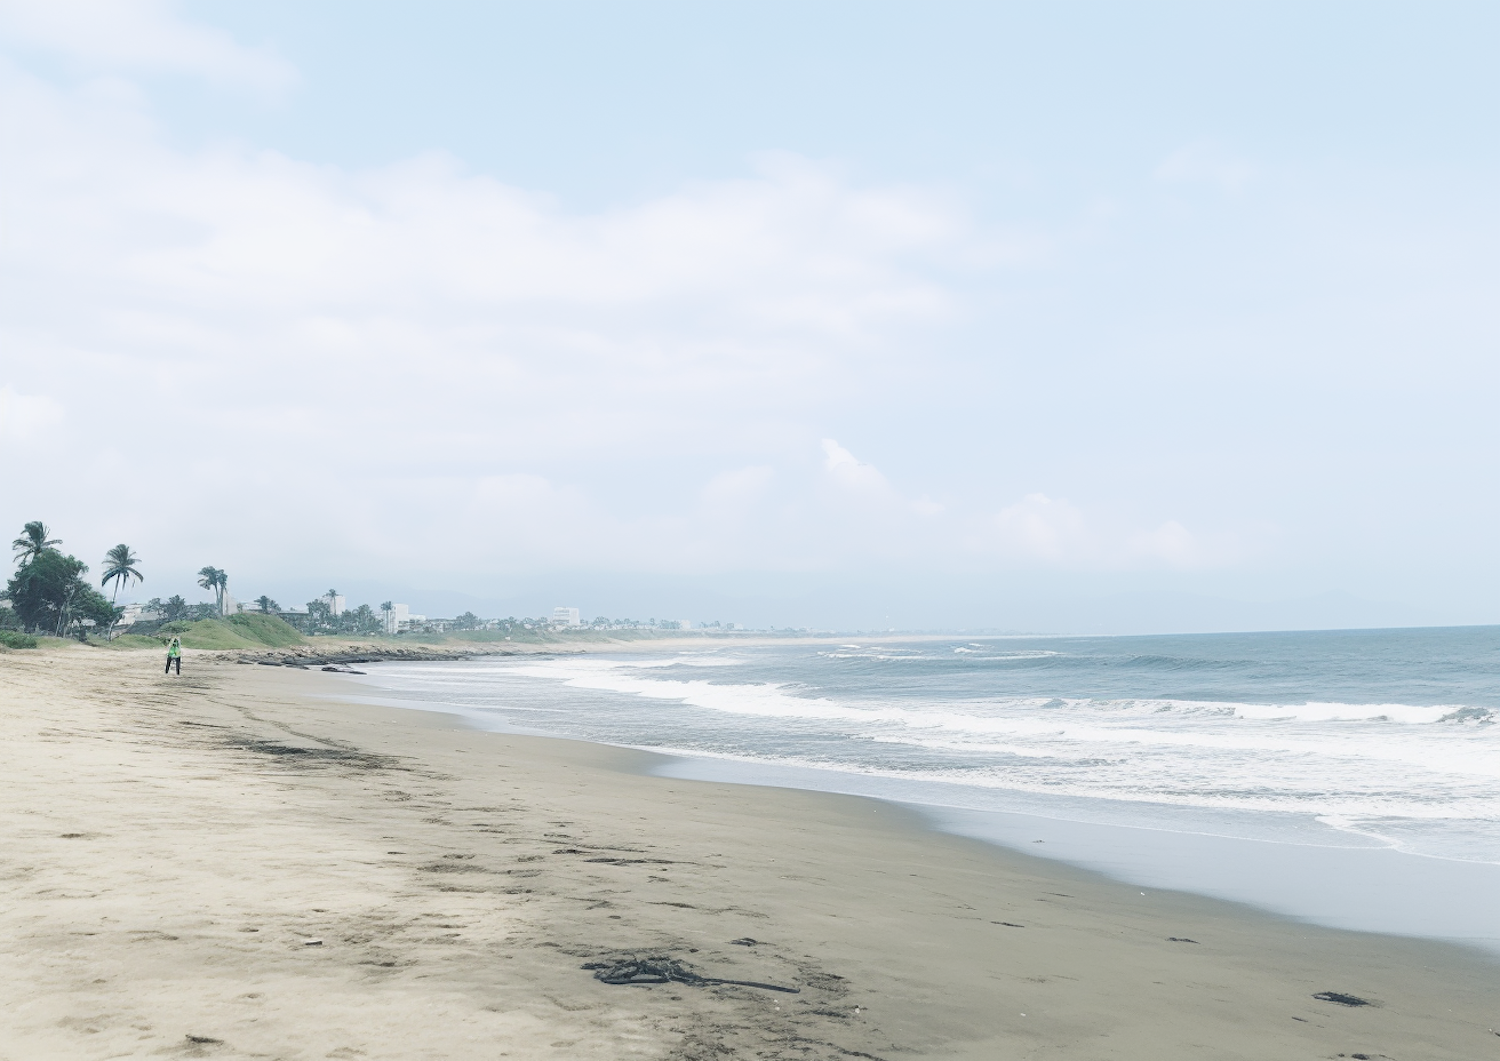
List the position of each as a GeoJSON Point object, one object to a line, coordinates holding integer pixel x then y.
{"type": "Point", "coordinates": [174, 655]}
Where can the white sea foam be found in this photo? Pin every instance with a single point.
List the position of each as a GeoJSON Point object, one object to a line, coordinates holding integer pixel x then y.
{"type": "Point", "coordinates": [1424, 777]}
{"type": "Point", "coordinates": [1060, 729]}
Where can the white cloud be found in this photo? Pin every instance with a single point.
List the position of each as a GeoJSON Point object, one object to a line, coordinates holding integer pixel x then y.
{"type": "Point", "coordinates": [733, 493]}
{"type": "Point", "coordinates": [26, 417]}
{"type": "Point", "coordinates": [1056, 533]}
{"type": "Point", "coordinates": [417, 354]}
{"type": "Point", "coordinates": [1171, 543]}
{"type": "Point", "coordinates": [235, 308]}
{"type": "Point", "coordinates": [855, 478]}
{"type": "Point", "coordinates": [688, 313]}
{"type": "Point", "coordinates": [139, 36]}
{"type": "Point", "coordinates": [1206, 162]}
{"type": "Point", "coordinates": [851, 473]}
{"type": "Point", "coordinates": [1037, 527]}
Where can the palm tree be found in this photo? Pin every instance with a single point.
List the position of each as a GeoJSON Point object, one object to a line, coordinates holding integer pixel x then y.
{"type": "Point", "coordinates": [33, 542]}
{"type": "Point", "coordinates": [119, 568]}
{"type": "Point", "coordinates": [265, 603]}
{"type": "Point", "coordinates": [387, 607]}
{"type": "Point", "coordinates": [208, 578]}
{"type": "Point", "coordinates": [217, 580]}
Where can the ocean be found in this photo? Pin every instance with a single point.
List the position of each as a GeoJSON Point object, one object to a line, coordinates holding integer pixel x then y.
{"type": "Point", "coordinates": [1347, 769]}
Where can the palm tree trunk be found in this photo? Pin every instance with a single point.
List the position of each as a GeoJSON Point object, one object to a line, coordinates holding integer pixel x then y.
{"type": "Point", "coordinates": [62, 614]}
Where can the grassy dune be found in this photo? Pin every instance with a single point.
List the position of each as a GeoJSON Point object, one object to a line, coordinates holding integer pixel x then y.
{"type": "Point", "coordinates": [246, 630]}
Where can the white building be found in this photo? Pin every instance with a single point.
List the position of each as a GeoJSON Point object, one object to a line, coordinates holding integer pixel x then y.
{"type": "Point", "coordinates": [401, 617]}
{"type": "Point", "coordinates": [566, 617]}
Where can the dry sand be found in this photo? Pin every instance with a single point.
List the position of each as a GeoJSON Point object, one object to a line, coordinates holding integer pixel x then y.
{"type": "Point", "coordinates": [174, 845]}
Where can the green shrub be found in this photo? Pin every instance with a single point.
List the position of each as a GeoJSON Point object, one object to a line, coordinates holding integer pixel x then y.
{"type": "Point", "coordinates": [209, 633]}
{"type": "Point", "coordinates": [16, 639]}
{"type": "Point", "coordinates": [238, 631]}
{"type": "Point", "coordinates": [266, 629]}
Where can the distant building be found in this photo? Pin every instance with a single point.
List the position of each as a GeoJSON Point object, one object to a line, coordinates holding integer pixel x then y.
{"type": "Point", "coordinates": [131, 614]}
{"type": "Point", "coordinates": [566, 617]}
{"type": "Point", "coordinates": [400, 617]}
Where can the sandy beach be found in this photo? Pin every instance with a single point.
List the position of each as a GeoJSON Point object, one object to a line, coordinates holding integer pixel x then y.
{"type": "Point", "coordinates": [237, 863]}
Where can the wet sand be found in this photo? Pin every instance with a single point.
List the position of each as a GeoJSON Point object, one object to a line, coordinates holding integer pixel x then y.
{"type": "Point", "coordinates": [230, 865]}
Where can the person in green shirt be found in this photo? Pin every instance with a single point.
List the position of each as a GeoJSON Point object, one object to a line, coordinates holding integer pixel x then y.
{"type": "Point", "coordinates": [174, 655]}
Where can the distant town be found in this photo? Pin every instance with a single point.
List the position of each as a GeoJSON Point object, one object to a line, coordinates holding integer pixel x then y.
{"type": "Point", "coordinates": [49, 594]}
{"type": "Point", "coordinates": [331, 614]}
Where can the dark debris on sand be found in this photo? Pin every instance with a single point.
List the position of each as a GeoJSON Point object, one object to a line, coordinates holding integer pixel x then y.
{"type": "Point", "coordinates": [660, 969]}
{"type": "Point", "coordinates": [301, 757]}
{"type": "Point", "coordinates": [1342, 999]}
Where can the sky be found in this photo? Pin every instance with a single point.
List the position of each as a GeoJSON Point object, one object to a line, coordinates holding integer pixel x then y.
{"type": "Point", "coordinates": [1070, 316]}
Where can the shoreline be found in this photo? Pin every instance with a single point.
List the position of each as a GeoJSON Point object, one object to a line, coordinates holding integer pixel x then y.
{"type": "Point", "coordinates": [179, 843]}
{"type": "Point", "coordinates": [1360, 888]}
{"type": "Point", "coordinates": [1350, 886]}
{"type": "Point", "coordinates": [1290, 865]}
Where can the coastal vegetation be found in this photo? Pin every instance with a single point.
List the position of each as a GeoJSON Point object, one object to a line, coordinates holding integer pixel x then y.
{"type": "Point", "coordinates": [33, 542]}
{"type": "Point", "coordinates": [49, 596]}
{"type": "Point", "coordinates": [216, 581]}
{"type": "Point", "coordinates": [47, 593]}
{"type": "Point", "coordinates": [322, 618]}
{"type": "Point", "coordinates": [245, 630]}
{"type": "Point", "coordinates": [120, 569]}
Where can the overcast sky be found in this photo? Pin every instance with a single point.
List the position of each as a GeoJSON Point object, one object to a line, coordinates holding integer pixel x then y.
{"type": "Point", "coordinates": [1044, 316]}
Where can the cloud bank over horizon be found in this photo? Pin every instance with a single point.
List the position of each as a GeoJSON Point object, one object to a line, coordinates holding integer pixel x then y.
{"type": "Point", "coordinates": [1212, 374]}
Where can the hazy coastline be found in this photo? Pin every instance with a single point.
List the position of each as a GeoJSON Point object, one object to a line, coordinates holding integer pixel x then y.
{"type": "Point", "coordinates": [165, 896]}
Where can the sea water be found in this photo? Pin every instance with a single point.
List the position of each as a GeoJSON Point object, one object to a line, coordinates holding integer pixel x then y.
{"type": "Point", "coordinates": [1350, 777]}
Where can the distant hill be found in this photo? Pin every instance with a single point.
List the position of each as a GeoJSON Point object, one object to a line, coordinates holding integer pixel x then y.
{"type": "Point", "coordinates": [246, 630]}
